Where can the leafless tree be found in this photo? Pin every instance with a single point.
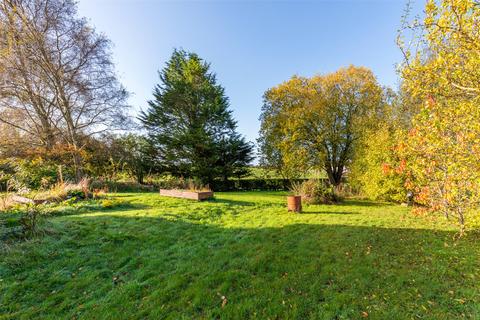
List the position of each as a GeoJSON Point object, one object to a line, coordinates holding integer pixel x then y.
{"type": "Point", "coordinates": [58, 74]}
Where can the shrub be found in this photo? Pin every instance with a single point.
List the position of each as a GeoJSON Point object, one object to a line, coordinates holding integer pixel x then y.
{"type": "Point", "coordinates": [315, 191]}
{"type": "Point", "coordinates": [7, 172]}
{"type": "Point", "coordinates": [296, 188]}
{"type": "Point", "coordinates": [378, 170]}
{"type": "Point", "coordinates": [35, 174]}
{"type": "Point", "coordinates": [29, 220]}
{"type": "Point", "coordinates": [21, 221]}
{"type": "Point", "coordinates": [116, 186]}
{"type": "Point", "coordinates": [99, 193]}
{"type": "Point", "coordinates": [6, 202]}
{"type": "Point", "coordinates": [62, 191]}
{"type": "Point", "coordinates": [348, 190]}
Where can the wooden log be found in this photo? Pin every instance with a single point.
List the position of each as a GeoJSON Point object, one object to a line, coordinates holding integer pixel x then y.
{"type": "Point", "coordinates": [24, 200]}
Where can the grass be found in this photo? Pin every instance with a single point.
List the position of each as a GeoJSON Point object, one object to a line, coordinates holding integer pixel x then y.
{"type": "Point", "coordinates": [241, 256]}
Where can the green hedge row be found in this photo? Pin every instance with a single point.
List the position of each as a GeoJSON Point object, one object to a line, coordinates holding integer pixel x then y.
{"type": "Point", "coordinates": [256, 184]}
{"type": "Point", "coordinates": [230, 185]}
{"type": "Point", "coordinates": [116, 186]}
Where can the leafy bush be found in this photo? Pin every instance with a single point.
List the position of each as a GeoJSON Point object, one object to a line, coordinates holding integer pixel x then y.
{"type": "Point", "coordinates": [21, 221]}
{"type": "Point", "coordinates": [315, 191]}
{"type": "Point", "coordinates": [35, 174]}
{"type": "Point", "coordinates": [378, 170]}
{"type": "Point", "coordinates": [114, 203]}
{"type": "Point", "coordinates": [69, 202]}
{"type": "Point", "coordinates": [116, 186]}
{"type": "Point", "coordinates": [75, 193]}
{"type": "Point", "coordinates": [29, 220]}
{"type": "Point", "coordinates": [7, 172]}
{"type": "Point", "coordinates": [31, 174]}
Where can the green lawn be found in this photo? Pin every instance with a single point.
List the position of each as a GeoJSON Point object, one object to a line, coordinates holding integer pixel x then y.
{"type": "Point", "coordinates": [241, 256]}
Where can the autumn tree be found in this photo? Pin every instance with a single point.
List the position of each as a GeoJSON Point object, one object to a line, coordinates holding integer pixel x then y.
{"type": "Point", "coordinates": [378, 168]}
{"type": "Point", "coordinates": [317, 122]}
{"type": "Point", "coordinates": [442, 69]}
{"type": "Point", "coordinates": [277, 102]}
{"type": "Point", "coordinates": [57, 76]}
{"type": "Point", "coordinates": [190, 125]}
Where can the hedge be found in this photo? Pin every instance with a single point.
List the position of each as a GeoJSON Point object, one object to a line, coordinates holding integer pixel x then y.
{"type": "Point", "coordinates": [255, 184]}
{"type": "Point", "coordinates": [274, 184]}
{"type": "Point", "coordinates": [117, 186]}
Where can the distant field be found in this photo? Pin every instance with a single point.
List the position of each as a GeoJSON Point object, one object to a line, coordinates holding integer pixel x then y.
{"type": "Point", "coordinates": [241, 256]}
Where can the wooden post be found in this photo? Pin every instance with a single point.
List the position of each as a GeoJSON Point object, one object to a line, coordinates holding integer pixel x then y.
{"type": "Point", "coordinates": [60, 173]}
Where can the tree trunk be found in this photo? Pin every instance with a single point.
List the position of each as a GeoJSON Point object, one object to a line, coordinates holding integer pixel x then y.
{"type": "Point", "coordinates": [461, 220]}
{"type": "Point", "coordinates": [140, 177]}
{"type": "Point", "coordinates": [334, 174]}
{"type": "Point", "coordinates": [77, 163]}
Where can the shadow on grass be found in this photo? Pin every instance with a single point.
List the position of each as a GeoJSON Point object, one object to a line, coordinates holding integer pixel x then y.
{"type": "Point", "coordinates": [126, 206]}
{"type": "Point", "coordinates": [232, 202]}
{"type": "Point", "coordinates": [362, 203]}
{"type": "Point", "coordinates": [179, 269]}
{"type": "Point", "coordinates": [328, 212]}
{"type": "Point", "coordinates": [95, 206]}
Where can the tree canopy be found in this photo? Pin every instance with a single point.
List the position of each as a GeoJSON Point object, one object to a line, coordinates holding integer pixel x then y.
{"type": "Point", "coordinates": [58, 84]}
{"type": "Point", "coordinates": [442, 71]}
{"type": "Point", "coordinates": [190, 125]}
{"type": "Point", "coordinates": [316, 122]}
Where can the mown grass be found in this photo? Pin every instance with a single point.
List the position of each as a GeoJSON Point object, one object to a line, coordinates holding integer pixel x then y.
{"type": "Point", "coordinates": [241, 256]}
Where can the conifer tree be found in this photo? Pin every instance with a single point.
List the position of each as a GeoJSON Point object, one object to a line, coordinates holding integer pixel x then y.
{"type": "Point", "coordinates": [190, 125]}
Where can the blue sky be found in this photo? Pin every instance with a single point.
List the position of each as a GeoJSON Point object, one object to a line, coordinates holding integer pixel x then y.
{"type": "Point", "coordinates": [251, 45]}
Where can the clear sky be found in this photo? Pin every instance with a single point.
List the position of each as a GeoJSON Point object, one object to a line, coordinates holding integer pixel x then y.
{"type": "Point", "coordinates": [251, 45]}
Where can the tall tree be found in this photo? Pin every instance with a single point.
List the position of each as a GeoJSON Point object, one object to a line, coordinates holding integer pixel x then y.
{"type": "Point", "coordinates": [316, 122]}
{"type": "Point", "coordinates": [442, 69]}
{"type": "Point", "coordinates": [278, 106]}
{"type": "Point", "coordinates": [57, 75]}
{"type": "Point", "coordinates": [189, 122]}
